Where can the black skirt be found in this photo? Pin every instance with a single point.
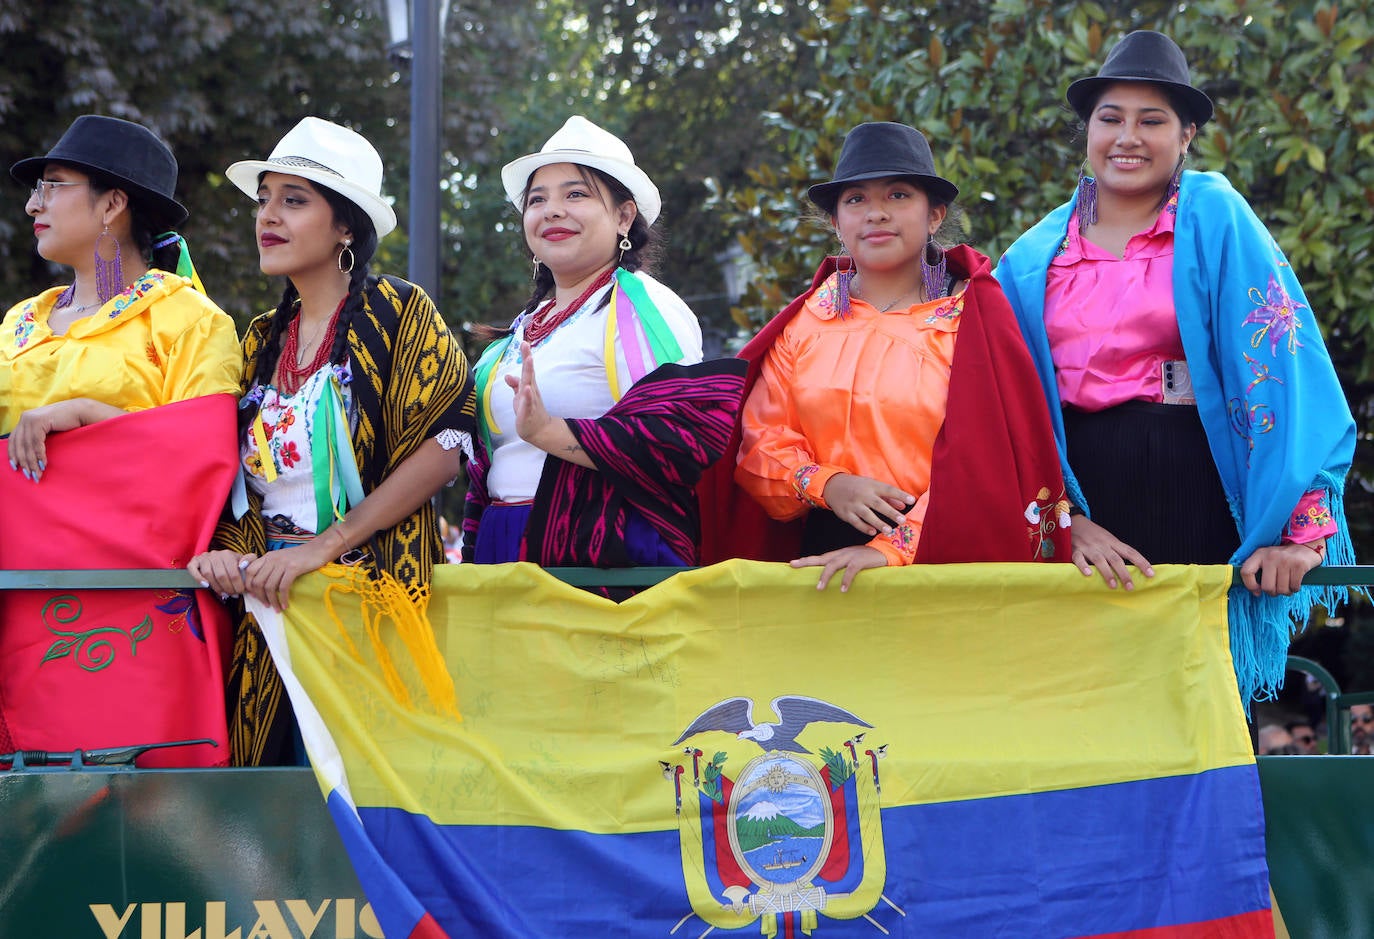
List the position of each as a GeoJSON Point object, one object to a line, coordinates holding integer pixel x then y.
{"type": "Point", "coordinates": [1150, 480]}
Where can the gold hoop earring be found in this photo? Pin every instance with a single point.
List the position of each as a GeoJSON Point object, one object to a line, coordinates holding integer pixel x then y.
{"type": "Point", "coordinates": [351, 258]}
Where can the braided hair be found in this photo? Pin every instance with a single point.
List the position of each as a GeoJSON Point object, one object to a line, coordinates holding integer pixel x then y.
{"type": "Point", "coordinates": [349, 215]}
{"type": "Point", "coordinates": [644, 240]}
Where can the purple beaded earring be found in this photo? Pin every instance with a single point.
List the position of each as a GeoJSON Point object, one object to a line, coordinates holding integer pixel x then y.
{"type": "Point", "coordinates": [109, 274]}
{"type": "Point", "coordinates": [1174, 181]}
{"type": "Point", "coordinates": [844, 275]}
{"type": "Point", "coordinates": [934, 277]}
{"type": "Point", "coordinates": [1087, 201]}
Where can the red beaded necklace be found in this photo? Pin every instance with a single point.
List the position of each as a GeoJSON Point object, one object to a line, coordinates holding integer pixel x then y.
{"type": "Point", "coordinates": [540, 326]}
{"type": "Point", "coordinates": [290, 374]}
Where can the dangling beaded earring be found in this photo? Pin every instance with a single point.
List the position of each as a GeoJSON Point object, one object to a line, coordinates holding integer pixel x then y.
{"type": "Point", "coordinates": [625, 245]}
{"type": "Point", "coordinates": [844, 275]}
{"type": "Point", "coordinates": [109, 275]}
{"type": "Point", "coordinates": [1087, 200]}
{"type": "Point", "coordinates": [934, 277]}
{"type": "Point", "coordinates": [346, 249]}
{"type": "Point", "coordinates": [1171, 192]}
{"type": "Point", "coordinates": [534, 274]}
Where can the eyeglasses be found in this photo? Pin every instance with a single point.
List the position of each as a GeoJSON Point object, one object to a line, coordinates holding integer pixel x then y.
{"type": "Point", "coordinates": [1362, 718]}
{"type": "Point", "coordinates": [1305, 738]}
{"type": "Point", "coordinates": [43, 187]}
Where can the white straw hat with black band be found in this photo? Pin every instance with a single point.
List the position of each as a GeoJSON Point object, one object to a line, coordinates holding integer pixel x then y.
{"type": "Point", "coordinates": [328, 155]}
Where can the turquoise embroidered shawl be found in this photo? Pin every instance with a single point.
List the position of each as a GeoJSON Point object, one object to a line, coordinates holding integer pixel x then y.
{"type": "Point", "coordinates": [1276, 419]}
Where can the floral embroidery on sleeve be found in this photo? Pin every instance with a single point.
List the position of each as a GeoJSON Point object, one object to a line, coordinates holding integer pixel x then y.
{"type": "Point", "coordinates": [1311, 520]}
{"type": "Point", "coordinates": [904, 539]}
{"type": "Point", "coordinates": [801, 484]}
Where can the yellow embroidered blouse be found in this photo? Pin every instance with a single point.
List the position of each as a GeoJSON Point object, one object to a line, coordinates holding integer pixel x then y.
{"type": "Point", "coordinates": [157, 342]}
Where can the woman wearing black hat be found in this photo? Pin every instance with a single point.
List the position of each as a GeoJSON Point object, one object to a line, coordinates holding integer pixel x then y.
{"type": "Point", "coordinates": [128, 333]}
{"type": "Point", "coordinates": [858, 385]}
{"type": "Point", "coordinates": [1197, 412]}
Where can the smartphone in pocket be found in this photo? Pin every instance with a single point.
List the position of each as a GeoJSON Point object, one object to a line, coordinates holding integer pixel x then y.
{"type": "Point", "coordinates": [1178, 382]}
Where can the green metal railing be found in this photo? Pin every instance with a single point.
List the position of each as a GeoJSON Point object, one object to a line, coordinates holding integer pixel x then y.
{"type": "Point", "coordinates": [1352, 576]}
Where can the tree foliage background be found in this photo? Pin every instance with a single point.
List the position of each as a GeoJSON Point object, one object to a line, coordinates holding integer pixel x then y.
{"type": "Point", "coordinates": [734, 107]}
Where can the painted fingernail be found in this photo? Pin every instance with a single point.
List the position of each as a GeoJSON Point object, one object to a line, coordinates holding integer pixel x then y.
{"type": "Point", "coordinates": [42, 465]}
{"type": "Point", "coordinates": [27, 474]}
{"type": "Point", "coordinates": [243, 565]}
{"type": "Point", "coordinates": [205, 583]}
{"type": "Point", "coordinates": [224, 596]}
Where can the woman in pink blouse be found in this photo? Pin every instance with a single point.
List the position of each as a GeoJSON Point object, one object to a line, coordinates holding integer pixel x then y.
{"type": "Point", "coordinates": [1198, 415]}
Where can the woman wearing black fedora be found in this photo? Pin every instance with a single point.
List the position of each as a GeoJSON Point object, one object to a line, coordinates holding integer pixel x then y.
{"type": "Point", "coordinates": [103, 204]}
{"type": "Point", "coordinates": [357, 408]}
{"type": "Point", "coordinates": [1198, 415]}
{"type": "Point", "coordinates": [886, 422]}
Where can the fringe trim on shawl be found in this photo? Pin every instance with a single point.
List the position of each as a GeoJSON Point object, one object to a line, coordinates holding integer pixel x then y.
{"type": "Point", "coordinates": [385, 600]}
{"type": "Point", "coordinates": [1263, 626]}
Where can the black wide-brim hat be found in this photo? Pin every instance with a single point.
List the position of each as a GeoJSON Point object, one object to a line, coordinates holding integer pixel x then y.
{"type": "Point", "coordinates": [121, 153]}
{"type": "Point", "coordinates": [1143, 56]}
{"type": "Point", "coordinates": [878, 150]}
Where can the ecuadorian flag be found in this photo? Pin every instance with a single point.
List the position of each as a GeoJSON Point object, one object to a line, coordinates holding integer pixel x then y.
{"type": "Point", "coordinates": [947, 751]}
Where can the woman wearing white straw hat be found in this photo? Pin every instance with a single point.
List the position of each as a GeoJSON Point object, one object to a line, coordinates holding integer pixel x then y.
{"type": "Point", "coordinates": [596, 417]}
{"type": "Point", "coordinates": [357, 406]}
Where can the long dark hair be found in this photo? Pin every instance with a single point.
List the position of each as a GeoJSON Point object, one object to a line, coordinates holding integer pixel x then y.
{"type": "Point", "coordinates": [351, 216]}
{"type": "Point", "coordinates": [644, 239]}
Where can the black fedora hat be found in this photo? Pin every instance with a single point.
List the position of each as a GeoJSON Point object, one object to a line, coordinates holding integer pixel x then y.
{"type": "Point", "coordinates": [1143, 56]}
{"type": "Point", "coordinates": [126, 155]}
{"type": "Point", "coordinates": [878, 150]}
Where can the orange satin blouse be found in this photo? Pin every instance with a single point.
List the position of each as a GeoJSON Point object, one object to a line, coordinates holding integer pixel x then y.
{"type": "Point", "coordinates": [864, 394]}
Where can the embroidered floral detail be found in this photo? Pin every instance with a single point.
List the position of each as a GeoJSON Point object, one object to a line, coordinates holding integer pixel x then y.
{"type": "Point", "coordinates": [1063, 246]}
{"type": "Point", "coordinates": [253, 462]}
{"type": "Point", "coordinates": [253, 399]}
{"type": "Point", "coordinates": [181, 606]}
{"type": "Point", "coordinates": [91, 649]}
{"type": "Point", "coordinates": [948, 311]}
{"type": "Point", "coordinates": [904, 538]}
{"type": "Point", "coordinates": [285, 420]}
{"type": "Point", "coordinates": [289, 454]}
{"type": "Point", "coordinates": [153, 357]}
{"type": "Point", "coordinates": [23, 331]}
{"type": "Point", "coordinates": [801, 482]}
{"type": "Point", "coordinates": [136, 291]}
{"type": "Point", "coordinates": [827, 297]}
{"type": "Point", "coordinates": [1276, 313]}
{"type": "Point", "coordinates": [1317, 516]}
{"type": "Point", "coordinates": [1044, 516]}
{"type": "Point", "coordinates": [1249, 419]}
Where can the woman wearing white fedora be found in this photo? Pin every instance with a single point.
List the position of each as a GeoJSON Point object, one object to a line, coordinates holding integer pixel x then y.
{"type": "Point", "coordinates": [597, 415]}
{"type": "Point", "coordinates": [357, 407]}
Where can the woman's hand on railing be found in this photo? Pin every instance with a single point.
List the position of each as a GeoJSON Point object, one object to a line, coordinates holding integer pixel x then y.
{"type": "Point", "coordinates": [221, 571]}
{"type": "Point", "coordinates": [1280, 569]}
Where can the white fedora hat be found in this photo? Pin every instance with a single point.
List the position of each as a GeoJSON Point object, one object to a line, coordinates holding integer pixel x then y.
{"type": "Point", "coordinates": [582, 142]}
{"type": "Point", "coordinates": [328, 155]}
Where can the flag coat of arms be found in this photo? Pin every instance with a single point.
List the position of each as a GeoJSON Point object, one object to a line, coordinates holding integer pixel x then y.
{"type": "Point", "coordinates": [945, 751]}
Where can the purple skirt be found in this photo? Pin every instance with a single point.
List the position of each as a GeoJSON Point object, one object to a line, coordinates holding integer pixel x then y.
{"type": "Point", "coordinates": [501, 535]}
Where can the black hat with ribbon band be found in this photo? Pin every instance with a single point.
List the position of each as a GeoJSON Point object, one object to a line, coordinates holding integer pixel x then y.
{"type": "Point", "coordinates": [119, 153]}
{"type": "Point", "coordinates": [876, 151]}
{"type": "Point", "coordinates": [1143, 56]}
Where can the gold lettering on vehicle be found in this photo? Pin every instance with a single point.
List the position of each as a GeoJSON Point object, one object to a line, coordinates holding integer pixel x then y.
{"type": "Point", "coordinates": [169, 920]}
